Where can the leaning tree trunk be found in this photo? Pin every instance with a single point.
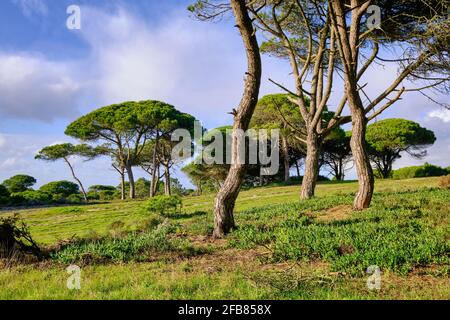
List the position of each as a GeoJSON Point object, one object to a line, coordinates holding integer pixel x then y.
{"type": "Point", "coordinates": [122, 184]}
{"type": "Point", "coordinates": [361, 159]}
{"type": "Point", "coordinates": [77, 180]}
{"type": "Point", "coordinates": [226, 198]}
{"type": "Point", "coordinates": [285, 148]}
{"type": "Point", "coordinates": [155, 181]}
{"type": "Point", "coordinates": [131, 181]}
{"type": "Point", "coordinates": [167, 189]}
{"type": "Point", "coordinates": [311, 165]}
{"type": "Point", "coordinates": [155, 168]}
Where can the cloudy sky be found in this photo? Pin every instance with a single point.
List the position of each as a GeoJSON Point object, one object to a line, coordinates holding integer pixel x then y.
{"type": "Point", "coordinates": [134, 50]}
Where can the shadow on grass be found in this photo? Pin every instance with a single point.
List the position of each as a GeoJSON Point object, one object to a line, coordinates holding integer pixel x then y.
{"type": "Point", "coordinates": [183, 216]}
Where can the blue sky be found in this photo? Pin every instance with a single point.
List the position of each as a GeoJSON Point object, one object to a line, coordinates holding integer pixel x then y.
{"type": "Point", "coordinates": [130, 50]}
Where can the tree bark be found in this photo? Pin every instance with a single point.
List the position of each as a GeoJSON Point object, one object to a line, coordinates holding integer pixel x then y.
{"type": "Point", "coordinates": [122, 184]}
{"type": "Point", "coordinates": [154, 181]}
{"type": "Point", "coordinates": [340, 176]}
{"type": "Point", "coordinates": [167, 189]}
{"type": "Point", "coordinates": [361, 159]}
{"type": "Point", "coordinates": [349, 50]}
{"type": "Point", "coordinates": [155, 168]}
{"type": "Point", "coordinates": [226, 198]}
{"type": "Point", "coordinates": [285, 148]}
{"type": "Point", "coordinates": [199, 189]}
{"type": "Point", "coordinates": [77, 180]}
{"type": "Point", "coordinates": [131, 181]}
{"type": "Point", "coordinates": [311, 165]}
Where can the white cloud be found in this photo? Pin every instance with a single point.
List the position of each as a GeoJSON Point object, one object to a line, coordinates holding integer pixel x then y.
{"type": "Point", "coordinates": [443, 114]}
{"type": "Point", "coordinates": [198, 67]}
{"type": "Point", "coordinates": [31, 87]}
{"type": "Point", "coordinates": [30, 7]}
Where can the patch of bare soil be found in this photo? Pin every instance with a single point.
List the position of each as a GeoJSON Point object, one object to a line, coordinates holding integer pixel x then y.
{"type": "Point", "coordinates": [223, 259]}
{"type": "Point", "coordinates": [339, 213]}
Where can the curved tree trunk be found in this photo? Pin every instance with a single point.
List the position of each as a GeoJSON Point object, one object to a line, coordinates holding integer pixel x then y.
{"type": "Point", "coordinates": [155, 168]}
{"type": "Point", "coordinates": [362, 161]}
{"type": "Point", "coordinates": [122, 184]}
{"type": "Point", "coordinates": [131, 181]}
{"type": "Point", "coordinates": [77, 180]}
{"type": "Point", "coordinates": [167, 189]}
{"type": "Point", "coordinates": [226, 198]}
{"type": "Point", "coordinates": [311, 165]}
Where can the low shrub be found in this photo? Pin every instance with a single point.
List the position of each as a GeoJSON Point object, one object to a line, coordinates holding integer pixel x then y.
{"type": "Point", "coordinates": [16, 240]}
{"type": "Point", "coordinates": [31, 198]}
{"type": "Point", "coordinates": [4, 195]}
{"type": "Point", "coordinates": [62, 188]}
{"type": "Point", "coordinates": [427, 170]}
{"type": "Point", "coordinates": [75, 198]}
{"type": "Point", "coordinates": [163, 205]}
{"type": "Point", "coordinates": [104, 195]}
{"type": "Point", "coordinates": [92, 195]}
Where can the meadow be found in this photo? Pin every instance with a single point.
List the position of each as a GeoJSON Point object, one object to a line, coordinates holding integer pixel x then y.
{"type": "Point", "coordinates": [283, 248]}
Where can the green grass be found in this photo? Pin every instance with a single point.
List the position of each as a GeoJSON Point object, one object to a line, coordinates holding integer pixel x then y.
{"type": "Point", "coordinates": [400, 232]}
{"type": "Point", "coordinates": [282, 248]}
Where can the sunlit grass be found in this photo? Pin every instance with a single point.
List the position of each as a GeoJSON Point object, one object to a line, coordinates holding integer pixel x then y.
{"type": "Point", "coordinates": [283, 248]}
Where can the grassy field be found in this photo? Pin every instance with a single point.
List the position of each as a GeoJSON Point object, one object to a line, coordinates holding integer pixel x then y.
{"type": "Point", "coordinates": [282, 249]}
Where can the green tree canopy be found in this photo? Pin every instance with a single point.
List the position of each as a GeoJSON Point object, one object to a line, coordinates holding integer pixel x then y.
{"type": "Point", "coordinates": [125, 128]}
{"type": "Point", "coordinates": [98, 188]}
{"type": "Point", "coordinates": [276, 111]}
{"type": "Point", "coordinates": [336, 152]}
{"type": "Point", "coordinates": [388, 138]}
{"type": "Point", "coordinates": [19, 183]}
{"type": "Point", "coordinates": [60, 188]}
{"type": "Point", "coordinates": [66, 150]}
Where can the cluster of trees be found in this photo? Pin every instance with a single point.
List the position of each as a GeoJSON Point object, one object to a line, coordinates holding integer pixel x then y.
{"type": "Point", "coordinates": [426, 170]}
{"type": "Point", "coordinates": [322, 40]}
{"type": "Point", "coordinates": [386, 141]}
{"type": "Point", "coordinates": [132, 134]}
{"type": "Point", "coordinates": [17, 191]}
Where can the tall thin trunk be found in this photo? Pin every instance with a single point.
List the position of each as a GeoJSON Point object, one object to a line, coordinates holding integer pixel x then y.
{"type": "Point", "coordinates": [226, 198]}
{"type": "Point", "coordinates": [311, 165]}
{"type": "Point", "coordinates": [199, 188]}
{"type": "Point", "coordinates": [362, 162]}
{"type": "Point", "coordinates": [155, 181]}
{"type": "Point", "coordinates": [340, 176]}
{"type": "Point", "coordinates": [131, 181]}
{"type": "Point", "coordinates": [122, 184]}
{"type": "Point", "coordinates": [155, 168]}
{"type": "Point", "coordinates": [297, 167]}
{"type": "Point", "coordinates": [167, 189]}
{"type": "Point", "coordinates": [77, 180]}
{"type": "Point", "coordinates": [349, 50]}
{"type": "Point", "coordinates": [285, 150]}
